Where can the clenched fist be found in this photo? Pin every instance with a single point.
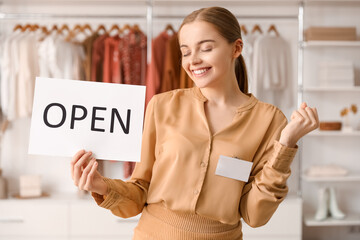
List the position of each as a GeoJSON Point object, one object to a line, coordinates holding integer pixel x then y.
{"type": "Point", "coordinates": [303, 121]}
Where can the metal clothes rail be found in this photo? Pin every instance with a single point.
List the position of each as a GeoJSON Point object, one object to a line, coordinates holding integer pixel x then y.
{"type": "Point", "coordinates": [148, 17]}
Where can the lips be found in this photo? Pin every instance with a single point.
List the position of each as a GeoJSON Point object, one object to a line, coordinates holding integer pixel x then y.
{"type": "Point", "coordinates": [200, 72]}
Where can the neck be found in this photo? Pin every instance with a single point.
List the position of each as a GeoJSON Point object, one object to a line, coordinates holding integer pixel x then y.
{"type": "Point", "coordinates": [227, 92]}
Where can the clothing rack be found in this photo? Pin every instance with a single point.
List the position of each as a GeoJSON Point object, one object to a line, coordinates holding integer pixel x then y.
{"type": "Point", "coordinates": [32, 16]}
{"type": "Point", "coordinates": [149, 17]}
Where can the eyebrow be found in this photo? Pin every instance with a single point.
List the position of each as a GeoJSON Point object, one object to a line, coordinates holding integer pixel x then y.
{"type": "Point", "coordinates": [202, 41]}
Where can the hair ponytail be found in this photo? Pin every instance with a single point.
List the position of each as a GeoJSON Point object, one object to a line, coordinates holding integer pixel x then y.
{"type": "Point", "coordinates": [241, 74]}
{"type": "Point", "coordinates": [228, 27]}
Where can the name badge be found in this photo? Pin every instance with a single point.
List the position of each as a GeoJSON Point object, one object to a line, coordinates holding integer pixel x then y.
{"type": "Point", "coordinates": [233, 168]}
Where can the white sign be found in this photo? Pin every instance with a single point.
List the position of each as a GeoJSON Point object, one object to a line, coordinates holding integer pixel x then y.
{"type": "Point", "coordinates": [70, 115]}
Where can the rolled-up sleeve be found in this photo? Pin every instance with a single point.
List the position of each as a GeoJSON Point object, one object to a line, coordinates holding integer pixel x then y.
{"type": "Point", "coordinates": [128, 198]}
{"type": "Point", "coordinates": [266, 187]}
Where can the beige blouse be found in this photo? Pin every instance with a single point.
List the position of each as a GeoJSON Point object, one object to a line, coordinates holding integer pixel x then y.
{"type": "Point", "coordinates": [179, 157]}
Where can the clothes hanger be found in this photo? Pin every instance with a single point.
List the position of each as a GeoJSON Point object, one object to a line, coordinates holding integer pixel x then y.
{"type": "Point", "coordinates": [87, 27]}
{"type": "Point", "coordinates": [44, 30]}
{"type": "Point", "coordinates": [63, 27]}
{"type": "Point", "coordinates": [136, 28]}
{"type": "Point", "coordinates": [34, 28]}
{"type": "Point", "coordinates": [115, 27]}
{"type": "Point", "coordinates": [54, 28]}
{"type": "Point", "coordinates": [169, 29]}
{"type": "Point", "coordinates": [243, 29]}
{"type": "Point", "coordinates": [45, 33]}
{"type": "Point", "coordinates": [101, 27]}
{"type": "Point", "coordinates": [78, 28]}
{"type": "Point", "coordinates": [18, 26]}
{"type": "Point", "coordinates": [26, 27]}
{"type": "Point", "coordinates": [72, 33]}
{"type": "Point", "coordinates": [126, 28]}
{"type": "Point", "coordinates": [272, 28]}
{"type": "Point", "coordinates": [256, 28]}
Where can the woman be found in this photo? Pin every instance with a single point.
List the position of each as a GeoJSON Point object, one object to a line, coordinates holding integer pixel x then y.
{"type": "Point", "coordinates": [176, 185]}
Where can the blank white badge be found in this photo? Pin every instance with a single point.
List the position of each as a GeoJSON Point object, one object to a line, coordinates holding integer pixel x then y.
{"type": "Point", "coordinates": [233, 168]}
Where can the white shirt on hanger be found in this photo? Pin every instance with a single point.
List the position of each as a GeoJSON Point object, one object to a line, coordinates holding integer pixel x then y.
{"type": "Point", "coordinates": [28, 60]}
{"type": "Point", "coordinates": [47, 53]}
{"type": "Point", "coordinates": [14, 55]}
{"type": "Point", "coordinates": [272, 71]}
{"type": "Point", "coordinates": [248, 53]}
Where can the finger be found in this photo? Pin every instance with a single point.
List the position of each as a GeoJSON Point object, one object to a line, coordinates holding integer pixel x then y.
{"type": "Point", "coordinates": [78, 168]}
{"type": "Point", "coordinates": [74, 160]}
{"type": "Point", "coordinates": [303, 105]}
{"type": "Point", "coordinates": [316, 115]}
{"type": "Point", "coordinates": [91, 175]}
{"type": "Point", "coordinates": [311, 115]}
{"type": "Point", "coordinates": [85, 173]}
{"type": "Point", "coordinates": [293, 115]}
{"type": "Point", "coordinates": [304, 114]}
{"type": "Point", "coordinates": [298, 115]}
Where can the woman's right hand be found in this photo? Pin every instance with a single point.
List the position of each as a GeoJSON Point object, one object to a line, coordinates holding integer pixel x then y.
{"type": "Point", "coordinates": [85, 175]}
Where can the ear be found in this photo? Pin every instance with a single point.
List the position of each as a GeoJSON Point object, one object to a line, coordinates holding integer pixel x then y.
{"type": "Point", "coordinates": [238, 46]}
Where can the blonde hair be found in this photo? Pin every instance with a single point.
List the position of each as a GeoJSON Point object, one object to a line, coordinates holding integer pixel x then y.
{"type": "Point", "coordinates": [228, 27]}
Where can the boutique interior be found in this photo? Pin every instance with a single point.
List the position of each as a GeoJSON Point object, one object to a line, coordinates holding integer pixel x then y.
{"type": "Point", "coordinates": [136, 43]}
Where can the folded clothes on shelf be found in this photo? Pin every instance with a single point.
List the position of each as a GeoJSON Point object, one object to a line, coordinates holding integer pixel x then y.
{"type": "Point", "coordinates": [336, 73]}
{"type": "Point", "coordinates": [330, 170]}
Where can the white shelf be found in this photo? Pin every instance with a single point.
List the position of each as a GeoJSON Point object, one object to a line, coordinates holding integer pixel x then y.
{"type": "Point", "coordinates": [351, 219]}
{"type": "Point", "coordinates": [334, 133]}
{"type": "Point", "coordinates": [347, 178]}
{"type": "Point", "coordinates": [331, 44]}
{"type": "Point", "coordinates": [332, 89]}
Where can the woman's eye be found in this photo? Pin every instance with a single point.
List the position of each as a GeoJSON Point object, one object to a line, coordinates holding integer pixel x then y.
{"type": "Point", "coordinates": [186, 54]}
{"type": "Point", "coordinates": [207, 49]}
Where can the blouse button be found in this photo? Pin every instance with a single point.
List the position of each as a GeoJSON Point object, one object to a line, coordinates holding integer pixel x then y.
{"type": "Point", "coordinates": [202, 164]}
{"type": "Point", "coordinates": [196, 192]}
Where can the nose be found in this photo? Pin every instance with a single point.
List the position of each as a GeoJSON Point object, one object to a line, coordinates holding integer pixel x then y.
{"type": "Point", "coordinates": [195, 59]}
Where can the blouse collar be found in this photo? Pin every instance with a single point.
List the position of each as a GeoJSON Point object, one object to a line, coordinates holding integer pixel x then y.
{"type": "Point", "coordinates": [248, 104]}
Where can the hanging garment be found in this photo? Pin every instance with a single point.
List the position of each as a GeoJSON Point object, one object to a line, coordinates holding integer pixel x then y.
{"type": "Point", "coordinates": [69, 58]}
{"type": "Point", "coordinates": [134, 58]}
{"type": "Point", "coordinates": [172, 66]}
{"type": "Point", "coordinates": [13, 77]}
{"type": "Point", "coordinates": [156, 66]}
{"type": "Point", "coordinates": [29, 68]}
{"type": "Point", "coordinates": [78, 57]}
{"type": "Point", "coordinates": [63, 60]}
{"type": "Point", "coordinates": [272, 71]}
{"type": "Point", "coordinates": [7, 68]}
{"type": "Point", "coordinates": [248, 55]}
{"type": "Point", "coordinates": [88, 48]}
{"type": "Point", "coordinates": [112, 60]}
{"type": "Point", "coordinates": [97, 60]}
{"type": "Point", "coordinates": [47, 55]}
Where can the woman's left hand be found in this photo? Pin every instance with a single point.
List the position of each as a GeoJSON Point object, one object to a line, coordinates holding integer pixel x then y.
{"type": "Point", "coordinates": [303, 121]}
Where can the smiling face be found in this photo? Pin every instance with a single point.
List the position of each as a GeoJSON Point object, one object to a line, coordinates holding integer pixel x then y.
{"type": "Point", "coordinates": [207, 57]}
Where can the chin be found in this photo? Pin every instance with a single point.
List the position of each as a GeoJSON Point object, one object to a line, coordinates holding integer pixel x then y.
{"type": "Point", "coordinates": [203, 84]}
